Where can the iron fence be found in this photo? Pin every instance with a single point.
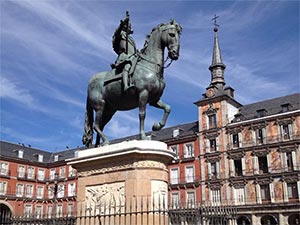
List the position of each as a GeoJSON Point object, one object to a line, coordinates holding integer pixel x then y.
{"type": "Point", "coordinates": [143, 211]}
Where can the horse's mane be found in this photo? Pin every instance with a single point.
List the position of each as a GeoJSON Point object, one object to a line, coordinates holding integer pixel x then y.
{"type": "Point", "coordinates": [172, 22]}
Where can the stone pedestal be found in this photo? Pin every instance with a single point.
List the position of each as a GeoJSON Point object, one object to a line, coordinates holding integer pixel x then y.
{"type": "Point", "coordinates": [123, 178]}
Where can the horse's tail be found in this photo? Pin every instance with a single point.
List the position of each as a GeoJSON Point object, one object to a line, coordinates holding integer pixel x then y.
{"type": "Point", "coordinates": [87, 137]}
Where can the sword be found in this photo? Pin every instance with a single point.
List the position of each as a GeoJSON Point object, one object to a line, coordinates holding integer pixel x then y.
{"type": "Point", "coordinates": [127, 32]}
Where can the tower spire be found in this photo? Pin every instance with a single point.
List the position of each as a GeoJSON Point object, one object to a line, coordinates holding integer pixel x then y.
{"type": "Point", "coordinates": [217, 67]}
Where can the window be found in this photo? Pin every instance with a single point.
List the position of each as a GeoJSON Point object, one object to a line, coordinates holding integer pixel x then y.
{"type": "Point", "coordinates": [27, 211]}
{"type": "Point", "coordinates": [285, 107]}
{"type": "Point", "coordinates": [4, 168]}
{"type": "Point", "coordinates": [20, 154]}
{"type": "Point", "coordinates": [263, 164]}
{"type": "Point", "coordinates": [71, 189]}
{"type": "Point", "coordinates": [289, 161]}
{"type": "Point", "coordinates": [215, 195]}
{"type": "Point", "coordinates": [238, 167]}
{"type": "Point", "coordinates": [21, 171]}
{"type": "Point", "coordinates": [40, 158]}
{"type": "Point", "coordinates": [59, 211]}
{"type": "Point", "coordinates": [189, 150]}
{"type": "Point", "coordinates": [70, 209]}
{"type": "Point", "coordinates": [61, 191]}
{"type": "Point", "coordinates": [30, 172]}
{"type": "Point", "coordinates": [292, 191]}
{"type": "Point", "coordinates": [265, 192]}
{"type": "Point", "coordinates": [40, 192]}
{"type": "Point", "coordinates": [49, 211]}
{"type": "Point", "coordinates": [62, 172]}
{"type": "Point", "coordinates": [38, 211]}
{"type": "Point", "coordinates": [72, 172]}
{"type": "Point", "coordinates": [260, 139]}
{"type": "Point", "coordinates": [174, 176]}
{"type": "Point", "coordinates": [235, 140]}
{"type": "Point", "coordinates": [41, 174]}
{"type": "Point", "coordinates": [213, 170]}
{"type": "Point", "coordinates": [175, 199]}
{"type": "Point", "coordinates": [240, 195]}
{"type": "Point", "coordinates": [174, 148]}
{"type": "Point", "coordinates": [52, 174]}
{"type": "Point", "coordinates": [20, 190]}
{"type": "Point", "coordinates": [56, 158]}
{"type": "Point", "coordinates": [212, 121]}
{"type": "Point", "coordinates": [213, 145]}
{"type": "Point", "coordinates": [50, 192]}
{"type": "Point", "coordinates": [189, 174]}
{"type": "Point", "coordinates": [3, 187]}
{"type": "Point", "coordinates": [29, 190]}
{"type": "Point", "coordinates": [285, 132]}
{"type": "Point", "coordinates": [261, 112]}
{"type": "Point", "coordinates": [190, 199]}
{"type": "Point", "coordinates": [175, 132]}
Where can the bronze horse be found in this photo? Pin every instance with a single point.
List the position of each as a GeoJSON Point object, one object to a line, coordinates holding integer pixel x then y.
{"type": "Point", "coordinates": [105, 98]}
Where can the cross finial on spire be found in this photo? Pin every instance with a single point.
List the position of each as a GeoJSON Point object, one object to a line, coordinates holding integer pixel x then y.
{"type": "Point", "coordinates": [215, 22]}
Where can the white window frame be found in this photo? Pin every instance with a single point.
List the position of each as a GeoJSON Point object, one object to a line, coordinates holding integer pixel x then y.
{"type": "Point", "coordinates": [189, 150]}
{"type": "Point", "coordinates": [27, 211]}
{"type": "Point", "coordinates": [175, 197]}
{"type": "Point", "coordinates": [190, 202]}
{"type": "Point", "coordinates": [62, 172]}
{"type": "Point", "coordinates": [3, 187]}
{"type": "Point", "coordinates": [41, 174]}
{"type": "Point", "coordinates": [52, 173]}
{"type": "Point", "coordinates": [173, 171]}
{"type": "Point", "coordinates": [189, 178]}
{"type": "Point", "coordinates": [38, 211]}
{"type": "Point", "coordinates": [61, 191]}
{"type": "Point", "coordinates": [215, 196]}
{"type": "Point", "coordinates": [29, 190]}
{"type": "Point", "coordinates": [30, 172]}
{"type": "Point", "coordinates": [71, 189]}
{"type": "Point", "coordinates": [19, 190]}
{"type": "Point", "coordinates": [4, 168]}
{"type": "Point", "coordinates": [21, 172]}
{"type": "Point", "coordinates": [40, 192]}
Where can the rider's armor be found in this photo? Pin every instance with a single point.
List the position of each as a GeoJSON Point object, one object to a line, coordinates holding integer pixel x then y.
{"type": "Point", "coordinates": [124, 46]}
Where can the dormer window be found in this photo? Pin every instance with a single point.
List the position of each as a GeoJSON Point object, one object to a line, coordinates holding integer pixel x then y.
{"type": "Point", "coordinates": [20, 154]}
{"type": "Point", "coordinates": [261, 112]}
{"type": "Point", "coordinates": [40, 158]}
{"type": "Point", "coordinates": [285, 107]}
{"type": "Point", "coordinates": [175, 132]}
{"type": "Point", "coordinates": [56, 158]}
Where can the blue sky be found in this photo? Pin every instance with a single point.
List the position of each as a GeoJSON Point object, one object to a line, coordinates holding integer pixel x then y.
{"type": "Point", "coordinates": [50, 49]}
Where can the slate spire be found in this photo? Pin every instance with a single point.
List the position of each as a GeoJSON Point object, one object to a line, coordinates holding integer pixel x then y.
{"type": "Point", "coordinates": [217, 67]}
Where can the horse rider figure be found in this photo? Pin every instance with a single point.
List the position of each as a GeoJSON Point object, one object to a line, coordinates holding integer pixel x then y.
{"type": "Point", "coordinates": [124, 46]}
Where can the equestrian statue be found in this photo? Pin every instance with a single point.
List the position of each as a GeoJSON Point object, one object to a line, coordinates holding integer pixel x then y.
{"type": "Point", "coordinates": [136, 79]}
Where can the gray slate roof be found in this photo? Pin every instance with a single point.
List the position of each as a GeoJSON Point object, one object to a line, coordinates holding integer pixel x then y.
{"type": "Point", "coordinates": [272, 106]}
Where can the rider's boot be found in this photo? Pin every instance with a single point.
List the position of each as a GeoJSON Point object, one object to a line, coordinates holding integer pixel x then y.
{"type": "Point", "coordinates": [125, 80]}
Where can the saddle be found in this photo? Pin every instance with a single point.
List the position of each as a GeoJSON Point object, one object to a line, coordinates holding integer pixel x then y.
{"type": "Point", "coordinates": [117, 70]}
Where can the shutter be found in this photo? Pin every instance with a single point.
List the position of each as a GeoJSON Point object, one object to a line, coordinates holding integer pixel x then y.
{"type": "Point", "coordinates": [207, 145]}
{"type": "Point", "coordinates": [209, 169]}
{"type": "Point", "coordinates": [217, 144]}
{"type": "Point", "coordinates": [291, 130]}
{"type": "Point", "coordinates": [285, 192]}
{"type": "Point", "coordinates": [258, 194]}
{"type": "Point", "coordinates": [218, 169]}
{"type": "Point", "coordinates": [255, 165]}
{"type": "Point", "coordinates": [254, 136]}
{"type": "Point", "coordinates": [294, 159]}
{"type": "Point", "coordinates": [231, 141]}
{"type": "Point", "coordinates": [283, 162]}
{"type": "Point", "coordinates": [271, 187]}
{"type": "Point", "coordinates": [231, 168]}
{"type": "Point", "coordinates": [264, 133]}
{"type": "Point", "coordinates": [269, 163]}
{"type": "Point", "coordinates": [243, 165]}
{"type": "Point", "coordinates": [298, 186]}
{"type": "Point", "coordinates": [240, 139]}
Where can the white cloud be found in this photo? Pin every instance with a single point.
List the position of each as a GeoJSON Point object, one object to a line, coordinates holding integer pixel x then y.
{"type": "Point", "coordinates": [12, 90]}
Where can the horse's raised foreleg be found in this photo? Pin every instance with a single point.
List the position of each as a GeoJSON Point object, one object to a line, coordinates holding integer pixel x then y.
{"type": "Point", "coordinates": [143, 98]}
{"type": "Point", "coordinates": [167, 109]}
{"type": "Point", "coordinates": [97, 124]}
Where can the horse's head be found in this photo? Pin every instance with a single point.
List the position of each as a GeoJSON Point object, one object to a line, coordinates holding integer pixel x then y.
{"type": "Point", "coordinates": [171, 38]}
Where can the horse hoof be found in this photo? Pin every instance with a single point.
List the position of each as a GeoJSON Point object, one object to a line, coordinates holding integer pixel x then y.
{"type": "Point", "coordinates": [156, 127]}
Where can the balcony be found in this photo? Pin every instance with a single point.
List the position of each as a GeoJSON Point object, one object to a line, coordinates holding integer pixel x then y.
{"type": "Point", "coordinates": [5, 173]}
{"type": "Point", "coordinates": [275, 140]}
{"type": "Point", "coordinates": [189, 181]}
